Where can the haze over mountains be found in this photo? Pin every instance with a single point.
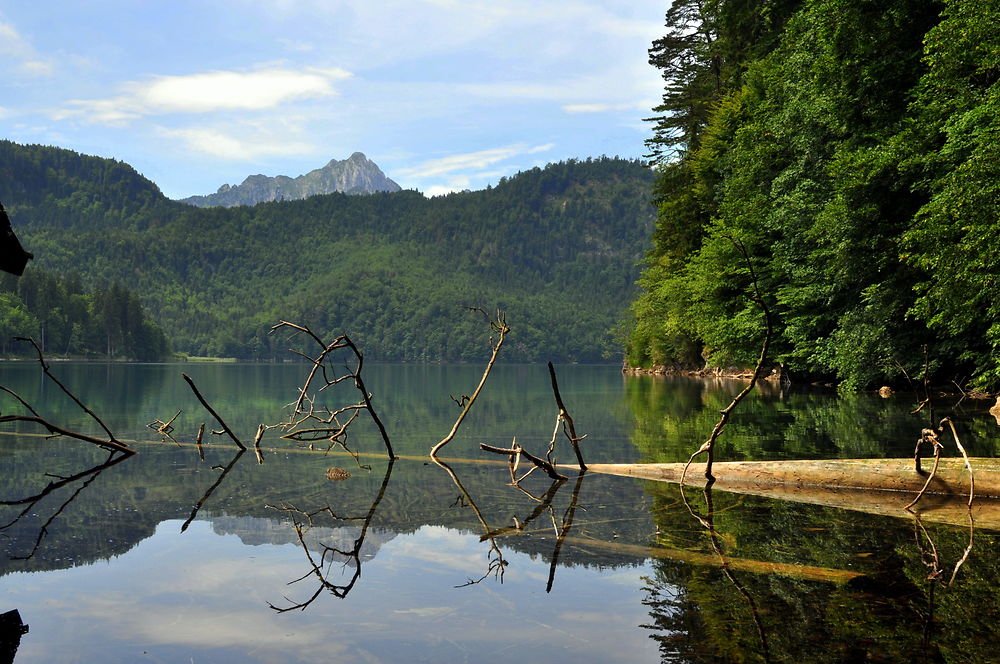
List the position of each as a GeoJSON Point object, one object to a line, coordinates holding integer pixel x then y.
{"type": "Point", "coordinates": [355, 175]}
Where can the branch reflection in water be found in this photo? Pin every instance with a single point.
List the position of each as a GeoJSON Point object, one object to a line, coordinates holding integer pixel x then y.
{"type": "Point", "coordinates": [708, 522]}
{"type": "Point", "coordinates": [321, 569]}
{"type": "Point", "coordinates": [497, 563]}
{"type": "Point", "coordinates": [208, 492]}
{"type": "Point", "coordinates": [85, 477]}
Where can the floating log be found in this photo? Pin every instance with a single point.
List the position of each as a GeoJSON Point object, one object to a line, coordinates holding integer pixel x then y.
{"type": "Point", "coordinates": [875, 486]}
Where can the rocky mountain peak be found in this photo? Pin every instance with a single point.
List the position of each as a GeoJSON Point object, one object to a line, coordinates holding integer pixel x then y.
{"type": "Point", "coordinates": [355, 175]}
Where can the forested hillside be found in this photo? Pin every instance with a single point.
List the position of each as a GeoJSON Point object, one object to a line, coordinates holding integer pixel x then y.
{"type": "Point", "coordinates": [853, 149]}
{"type": "Point", "coordinates": [557, 248]}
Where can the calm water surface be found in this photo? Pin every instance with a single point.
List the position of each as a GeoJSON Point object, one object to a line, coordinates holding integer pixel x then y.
{"type": "Point", "coordinates": [187, 554]}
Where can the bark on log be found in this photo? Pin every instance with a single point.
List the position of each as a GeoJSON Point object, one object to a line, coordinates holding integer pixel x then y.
{"type": "Point", "coordinates": [875, 486]}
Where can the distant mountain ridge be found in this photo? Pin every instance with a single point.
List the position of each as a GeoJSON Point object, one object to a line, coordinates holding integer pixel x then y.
{"type": "Point", "coordinates": [355, 175]}
{"type": "Point", "coordinates": [556, 248]}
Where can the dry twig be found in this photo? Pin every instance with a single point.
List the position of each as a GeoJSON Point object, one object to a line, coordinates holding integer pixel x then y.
{"type": "Point", "coordinates": [708, 446]}
{"type": "Point", "coordinates": [498, 325]}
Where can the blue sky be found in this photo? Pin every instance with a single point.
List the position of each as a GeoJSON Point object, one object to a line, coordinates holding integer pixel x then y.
{"type": "Point", "coordinates": [443, 95]}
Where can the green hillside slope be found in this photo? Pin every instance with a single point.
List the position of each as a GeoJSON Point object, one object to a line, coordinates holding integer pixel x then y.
{"type": "Point", "coordinates": [556, 247]}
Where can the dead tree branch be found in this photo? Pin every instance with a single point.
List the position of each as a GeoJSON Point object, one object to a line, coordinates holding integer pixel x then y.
{"type": "Point", "coordinates": [517, 451]}
{"type": "Point", "coordinates": [708, 447]}
{"type": "Point", "coordinates": [569, 429]}
{"type": "Point", "coordinates": [303, 409]}
{"type": "Point", "coordinates": [112, 443]}
{"type": "Point", "coordinates": [498, 325]}
{"type": "Point", "coordinates": [57, 430]}
{"type": "Point", "coordinates": [931, 437]}
{"type": "Point", "coordinates": [51, 376]}
{"type": "Point", "coordinates": [225, 427]}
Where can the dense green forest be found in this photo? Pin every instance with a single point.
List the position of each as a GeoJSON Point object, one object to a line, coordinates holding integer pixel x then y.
{"type": "Point", "coordinates": [557, 248]}
{"type": "Point", "coordinates": [64, 319]}
{"type": "Point", "coordinates": [852, 148]}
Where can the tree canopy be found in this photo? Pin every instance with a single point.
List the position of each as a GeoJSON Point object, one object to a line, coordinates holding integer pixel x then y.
{"type": "Point", "coordinates": [851, 148]}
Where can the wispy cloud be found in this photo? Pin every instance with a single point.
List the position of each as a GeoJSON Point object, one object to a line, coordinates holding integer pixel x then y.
{"type": "Point", "coordinates": [206, 92]}
{"type": "Point", "coordinates": [241, 145]}
{"type": "Point", "coordinates": [457, 172]}
{"type": "Point", "coordinates": [472, 161]}
{"type": "Point", "coordinates": [16, 48]}
{"type": "Point", "coordinates": [601, 108]}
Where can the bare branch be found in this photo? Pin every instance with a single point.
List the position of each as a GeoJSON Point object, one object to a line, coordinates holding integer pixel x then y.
{"type": "Point", "coordinates": [59, 431]}
{"type": "Point", "coordinates": [709, 445]}
{"type": "Point", "coordinates": [564, 414]}
{"type": "Point", "coordinates": [319, 367]}
{"type": "Point", "coordinates": [225, 427]}
{"type": "Point", "coordinates": [51, 376]}
{"type": "Point", "coordinates": [517, 450]}
{"type": "Point", "coordinates": [499, 325]}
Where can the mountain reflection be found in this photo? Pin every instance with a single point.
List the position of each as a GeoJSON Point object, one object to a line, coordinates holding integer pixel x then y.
{"type": "Point", "coordinates": [633, 574]}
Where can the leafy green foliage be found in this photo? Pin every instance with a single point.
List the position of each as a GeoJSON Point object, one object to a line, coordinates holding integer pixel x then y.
{"type": "Point", "coordinates": [64, 320]}
{"type": "Point", "coordinates": [855, 156]}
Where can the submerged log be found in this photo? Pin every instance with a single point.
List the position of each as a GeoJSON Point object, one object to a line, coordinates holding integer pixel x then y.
{"type": "Point", "coordinates": [876, 486]}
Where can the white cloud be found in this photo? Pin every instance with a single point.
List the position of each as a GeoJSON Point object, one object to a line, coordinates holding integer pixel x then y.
{"type": "Point", "coordinates": [436, 190]}
{"type": "Point", "coordinates": [207, 92]}
{"type": "Point", "coordinates": [15, 47]}
{"type": "Point", "coordinates": [600, 108]}
{"type": "Point", "coordinates": [541, 148]}
{"type": "Point", "coordinates": [245, 146]}
{"type": "Point", "coordinates": [226, 90]}
{"type": "Point", "coordinates": [471, 161]}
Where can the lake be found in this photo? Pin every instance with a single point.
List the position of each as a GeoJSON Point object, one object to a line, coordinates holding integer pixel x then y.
{"type": "Point", "coordinates": [187, 553]}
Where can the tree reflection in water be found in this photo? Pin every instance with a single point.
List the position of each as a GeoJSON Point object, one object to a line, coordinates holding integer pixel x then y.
{"type": "Point", "coordinates": [915, 602]}
{"type": "Point", "coordinates": [83, 479]}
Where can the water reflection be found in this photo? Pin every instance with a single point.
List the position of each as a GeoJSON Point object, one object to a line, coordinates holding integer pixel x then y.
{"type": "Point", "coordinates": [174, 556]}
{"type": "Point", "coordinates": [882, 609]}
{"type": "Point", "coordinates": [304, 521]}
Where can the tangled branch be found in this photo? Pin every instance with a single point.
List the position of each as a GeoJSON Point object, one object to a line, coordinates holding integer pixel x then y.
{"type": "Point", "coordinates": [326, 424]}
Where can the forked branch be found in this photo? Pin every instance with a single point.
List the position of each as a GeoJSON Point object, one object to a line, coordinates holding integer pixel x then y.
{"type": "Point", "coordinates": [303, 409]}
{"type": "Point", "coordinates": [568, 427]}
